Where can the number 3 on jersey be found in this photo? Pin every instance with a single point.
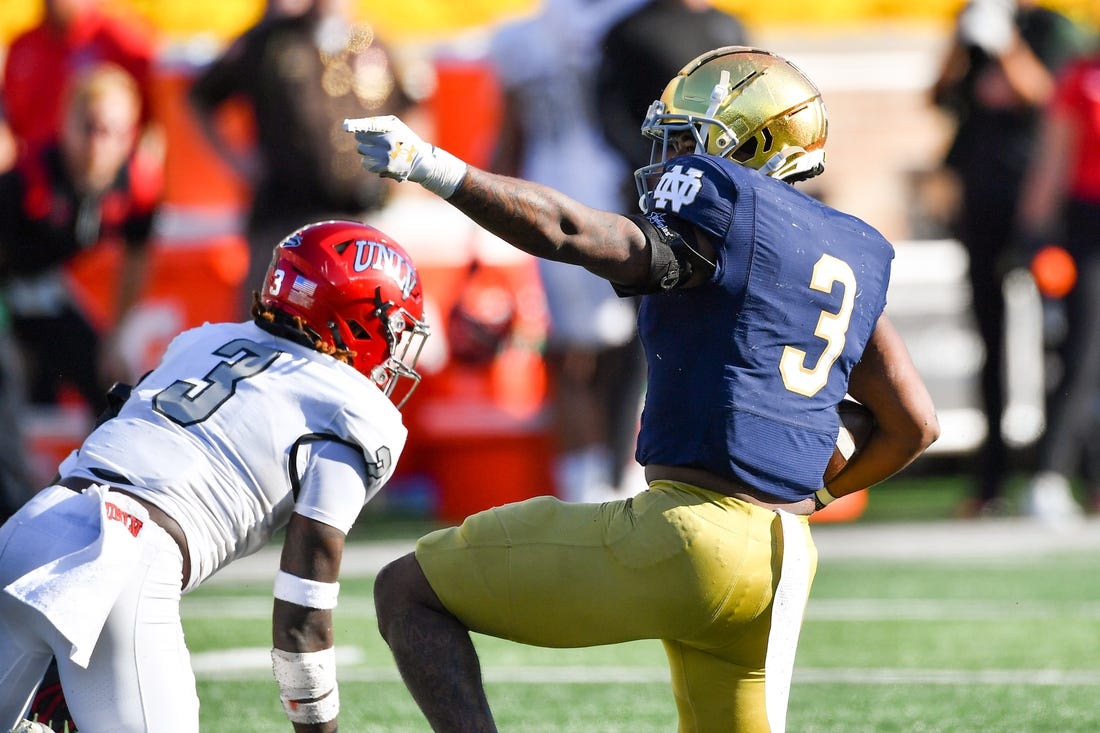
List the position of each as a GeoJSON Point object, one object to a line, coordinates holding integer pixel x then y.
{"type": "Point", "coordinates": [831, 327]}
{"type": "Point", "coordinates": [187, 403]}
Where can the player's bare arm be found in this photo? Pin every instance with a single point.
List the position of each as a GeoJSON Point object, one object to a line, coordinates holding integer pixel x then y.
{"type": "Point", "coordinates": [887, 382]}
{"type": "Point", "coordinates": [534, 218]}
{"type": "Point", "coordinates": [304, 651]}
{"type": "Point", "coordinates": [548, 224]}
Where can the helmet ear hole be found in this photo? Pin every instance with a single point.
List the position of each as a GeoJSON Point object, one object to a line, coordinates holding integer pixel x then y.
{"type": "Point", "coordinates": [769, 139]}
{"type": "Point", "coordinates": [747, 150]}
{"type": "Point", "coordinates": [357, 330]}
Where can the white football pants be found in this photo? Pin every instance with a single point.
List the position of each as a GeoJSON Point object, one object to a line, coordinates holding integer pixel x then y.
{"type": "Point", "coordinates": [139, 676]}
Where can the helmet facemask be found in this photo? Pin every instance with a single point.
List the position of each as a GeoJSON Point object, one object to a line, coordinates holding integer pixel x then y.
{"type": "Point", "coordinates": [405, 337]}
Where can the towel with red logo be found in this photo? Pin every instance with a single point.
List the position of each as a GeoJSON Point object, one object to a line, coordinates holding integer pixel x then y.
{"type": "Point", "coordinates": [76, 592]}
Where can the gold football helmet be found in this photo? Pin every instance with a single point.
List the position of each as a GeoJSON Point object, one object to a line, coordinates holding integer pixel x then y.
{"type": "Point", "coordinates": [744, 104]}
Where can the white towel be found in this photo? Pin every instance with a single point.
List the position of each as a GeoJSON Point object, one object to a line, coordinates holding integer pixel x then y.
{"type": "Point", "coordinates": [76, 591]}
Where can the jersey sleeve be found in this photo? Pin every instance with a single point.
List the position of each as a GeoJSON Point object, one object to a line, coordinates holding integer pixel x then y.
{"type": "Point", "coordinates": [333, 485]}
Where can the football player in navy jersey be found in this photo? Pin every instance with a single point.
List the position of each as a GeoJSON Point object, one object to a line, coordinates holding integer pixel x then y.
{"type": "Point", "coordinates": [762, 307]}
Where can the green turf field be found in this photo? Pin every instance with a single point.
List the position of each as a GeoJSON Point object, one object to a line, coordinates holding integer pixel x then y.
{"type": "Point", "coordinates": [1006, 644]}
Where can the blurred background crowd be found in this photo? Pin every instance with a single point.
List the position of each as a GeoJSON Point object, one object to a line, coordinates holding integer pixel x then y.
{"type": "Point", "coordinates": [153, 152]}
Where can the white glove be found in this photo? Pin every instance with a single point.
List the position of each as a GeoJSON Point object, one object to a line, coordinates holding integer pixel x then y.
{"type": "Point", "coordinates": [390, 149]}
{"type": "Point", "coordinates": [988, 24]}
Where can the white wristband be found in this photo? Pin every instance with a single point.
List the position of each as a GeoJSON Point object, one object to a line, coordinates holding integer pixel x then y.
{"type": "Point", "coordinates": [823, 498]}
{"type": "Point", "coordinates": [305, 592]}
{"type": "Point", "coordinates": [446, 174]}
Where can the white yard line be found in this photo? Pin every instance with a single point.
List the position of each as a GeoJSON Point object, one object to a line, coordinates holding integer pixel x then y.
{"type": "Point", "coordinates": [827, 609]}
{"type": "Point", "coordinates": [908, 609]}
{"type": "Point", "coordinates": [238, 607]}
{"type": "Point", "coordinates": [255, 663]}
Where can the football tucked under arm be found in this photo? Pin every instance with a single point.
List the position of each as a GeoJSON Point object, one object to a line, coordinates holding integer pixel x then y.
{"type": "Point", "coordinates": [855, 426]}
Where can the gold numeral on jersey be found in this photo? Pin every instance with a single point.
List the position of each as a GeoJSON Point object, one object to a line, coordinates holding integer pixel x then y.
{"type": "Point", "coordinates": [831, 327]}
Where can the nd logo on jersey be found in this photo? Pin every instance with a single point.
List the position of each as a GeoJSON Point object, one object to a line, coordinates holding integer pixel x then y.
{"type": "Point", "coordinates": [677, 187]}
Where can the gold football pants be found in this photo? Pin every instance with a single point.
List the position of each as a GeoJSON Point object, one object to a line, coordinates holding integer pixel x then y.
{"type": "Point", "coordinates": [690, 567]}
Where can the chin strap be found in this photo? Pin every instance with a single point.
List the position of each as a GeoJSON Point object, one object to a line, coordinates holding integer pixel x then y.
{"type": "Point", "coordinates": [790, 160]}
{"type": "Point", "coordinates": [717, 96]}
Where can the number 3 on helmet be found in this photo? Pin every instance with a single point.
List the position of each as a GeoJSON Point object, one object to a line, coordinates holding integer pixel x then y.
{"type": "Point", "coordinates": [357, 292]}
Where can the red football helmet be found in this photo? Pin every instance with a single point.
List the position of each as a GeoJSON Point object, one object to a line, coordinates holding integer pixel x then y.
{"type": "Point", "coordinates": [356, 290]}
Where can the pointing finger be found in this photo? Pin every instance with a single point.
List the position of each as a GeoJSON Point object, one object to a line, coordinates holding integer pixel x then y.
{"type": "Point", "coordinates": [383, 124]}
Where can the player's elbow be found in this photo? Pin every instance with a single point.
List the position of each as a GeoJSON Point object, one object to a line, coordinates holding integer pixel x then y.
{"type": "Point", "coordinates": [923, 431]}
{"type": "Point", "coordinates": [606, 244]}
{"type": "Point", "coordinates": [931, 430]}
{"type": "Point", "coordinates": [911, 433]}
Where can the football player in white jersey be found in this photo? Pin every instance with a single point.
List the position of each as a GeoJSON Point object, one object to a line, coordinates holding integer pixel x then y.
{"type": "Point", "coordinates": [290, 420]}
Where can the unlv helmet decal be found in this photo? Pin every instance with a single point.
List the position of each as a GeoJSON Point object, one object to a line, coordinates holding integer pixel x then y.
{"type": "Point", "coordinates": [374, 255]}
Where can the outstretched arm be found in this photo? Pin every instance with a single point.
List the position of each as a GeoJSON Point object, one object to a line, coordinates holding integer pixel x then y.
{"type": "Point", "coordinates": [534, 218]}
{"type": "Point", "coordinates": [548, 224]}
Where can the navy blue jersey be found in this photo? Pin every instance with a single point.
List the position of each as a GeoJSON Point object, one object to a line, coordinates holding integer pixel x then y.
{"type": "Point", "coordinates": [746, 369]}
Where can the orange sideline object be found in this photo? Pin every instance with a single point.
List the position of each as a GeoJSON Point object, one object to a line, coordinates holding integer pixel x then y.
{"type": "Point", "coordinates": [480, 431]}
{"type": "Point", "coordinates": [845, 509]}
{"type": "Point", "coordinates": [1054, 270]}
